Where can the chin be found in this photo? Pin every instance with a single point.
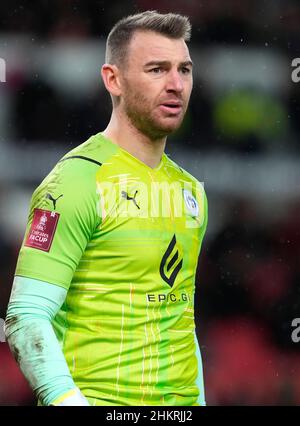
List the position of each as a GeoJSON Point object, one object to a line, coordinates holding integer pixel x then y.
{"type": "Point", "coordinates": [171, 128]}
{"type": "Point", "coordinates": [162, 128]}
{"type": "Point", "coordinates": [171, 122]}
{"type": "Point", "coordinates": [163, 132]}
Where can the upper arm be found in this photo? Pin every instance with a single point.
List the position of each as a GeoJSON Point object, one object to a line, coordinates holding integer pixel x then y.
{"type": "Point", "coordinates": [58, 231]}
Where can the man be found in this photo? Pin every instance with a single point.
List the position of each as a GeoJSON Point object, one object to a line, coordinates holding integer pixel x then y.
{"type": "Point", "coordinates": [102, 306]}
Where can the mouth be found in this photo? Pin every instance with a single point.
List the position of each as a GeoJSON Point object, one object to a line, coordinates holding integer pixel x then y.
{"type": "Point", "coordinates": [171, 107]}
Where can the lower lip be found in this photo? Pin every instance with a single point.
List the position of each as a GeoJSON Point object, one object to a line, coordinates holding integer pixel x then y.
{"type": "Point", "coordinates": [170, 110]}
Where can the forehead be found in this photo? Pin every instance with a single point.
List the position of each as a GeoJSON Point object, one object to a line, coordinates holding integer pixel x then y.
{"type": "Point", "coordinates": [148, 46]}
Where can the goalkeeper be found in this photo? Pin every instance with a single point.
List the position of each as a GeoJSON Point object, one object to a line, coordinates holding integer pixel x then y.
{"type": "Point", "coordinates": [102, 305]}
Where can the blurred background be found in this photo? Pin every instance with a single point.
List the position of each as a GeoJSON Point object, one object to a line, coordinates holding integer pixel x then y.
{"type": "Point", "coordinates": [241, 137]}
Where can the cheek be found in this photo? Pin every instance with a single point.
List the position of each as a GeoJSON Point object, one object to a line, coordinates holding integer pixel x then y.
{"type": "Point", "coordinates": [141, 100]}
{"type": "Point", "coordinates": [150, 88]}
{"type": "Point", "coordinates": [145, 98]}
{"type": "Point", "coordinates": [188, 89]}
{"type": "Point", "coordinates": [142, 94]}
{"type": "Point", "coordinates": [191, 87]}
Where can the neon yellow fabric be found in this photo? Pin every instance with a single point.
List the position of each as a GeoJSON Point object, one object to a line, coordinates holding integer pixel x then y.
{"type": "Point", "coordinates": [64, 396]}
{"type": "Point", "coordinates": [126, 249]}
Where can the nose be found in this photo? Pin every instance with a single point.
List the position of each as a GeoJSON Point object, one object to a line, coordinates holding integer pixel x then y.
{"type": "Point", "coordinates": [174, 82]}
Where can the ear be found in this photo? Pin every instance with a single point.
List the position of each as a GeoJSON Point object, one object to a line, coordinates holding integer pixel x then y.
{"type": "Point", "coordinates": [111, 79]}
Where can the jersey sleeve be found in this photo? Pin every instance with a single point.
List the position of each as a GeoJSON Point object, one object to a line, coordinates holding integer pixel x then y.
{"type": "Point", "coordinates": [205, 208]}
{"type": "Point", "coordinates": [62, 218]}
{"type": "Point", "coordinates": [201, 198]}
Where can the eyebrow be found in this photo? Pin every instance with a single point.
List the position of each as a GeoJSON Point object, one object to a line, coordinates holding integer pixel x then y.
{"type": "Point", "coordinates": [164, 63]}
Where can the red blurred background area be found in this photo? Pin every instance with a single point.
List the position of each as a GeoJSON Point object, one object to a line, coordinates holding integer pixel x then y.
{"type": "Point", "coordinates": [246, 368]}
{"type": "Point", "coordinates": [14, 389]}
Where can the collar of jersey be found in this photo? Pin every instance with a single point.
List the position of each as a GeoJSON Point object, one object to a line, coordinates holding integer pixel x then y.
{"type": "Point", "coordinates": [132, 157]}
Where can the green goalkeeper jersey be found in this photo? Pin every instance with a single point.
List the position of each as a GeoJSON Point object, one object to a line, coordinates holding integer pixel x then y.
{"type": "Point", "coordinates": [124, 239]}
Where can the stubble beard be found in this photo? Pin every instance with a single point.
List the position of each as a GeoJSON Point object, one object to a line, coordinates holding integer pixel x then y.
{"type": "Point", "coordinates": [142, 118]}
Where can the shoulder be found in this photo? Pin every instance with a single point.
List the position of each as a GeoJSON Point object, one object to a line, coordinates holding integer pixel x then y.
{"type": "Point", "coordinates": [75, 173]}
{"type": "Point", "coordinates": [192, 186]}
{"type": "Point", "coordinates": [179, 172]}
{"type": "Point", "coordinates": [78, 167]}
{"type": "Point", "coordinates": [97, 149]}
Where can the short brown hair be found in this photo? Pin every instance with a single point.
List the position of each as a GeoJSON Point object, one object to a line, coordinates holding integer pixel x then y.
{"type": "Point", "coordinates": [170, 24]}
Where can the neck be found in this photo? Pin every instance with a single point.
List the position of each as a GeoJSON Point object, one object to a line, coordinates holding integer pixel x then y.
{"type": "Point", "coordinates": [121, 132]}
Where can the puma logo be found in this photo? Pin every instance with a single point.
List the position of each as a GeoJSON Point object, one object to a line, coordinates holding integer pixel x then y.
{"type": "Point", "coordinates": [127, 197]}
{"type": "Point", "coordinates": [54, 200]}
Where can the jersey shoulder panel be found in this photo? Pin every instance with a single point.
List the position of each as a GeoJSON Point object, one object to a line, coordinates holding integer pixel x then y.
{"type": "Point", "coordinates": [67, 179]}
{"type": "Point", "coordinates": [179, 171]}
{"type": "Point", "coordinates": [69, 194]}
{"type": "Point", "coordinates": [97, 149]}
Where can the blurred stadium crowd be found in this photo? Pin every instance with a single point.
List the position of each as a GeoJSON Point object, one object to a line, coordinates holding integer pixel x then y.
{"type": "Point", "coordinates": [244, 107]}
